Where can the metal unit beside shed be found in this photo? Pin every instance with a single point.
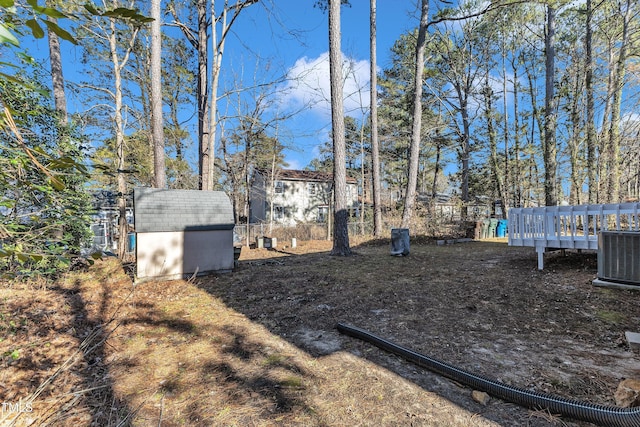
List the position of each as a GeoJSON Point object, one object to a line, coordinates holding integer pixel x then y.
{"type": "Point", "coordinates": [182, 232]}
{"type": "Point", "coordinates": [619, 259]}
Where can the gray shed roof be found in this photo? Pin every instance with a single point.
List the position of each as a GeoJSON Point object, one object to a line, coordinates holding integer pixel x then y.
{"type": "Point", "coordinates": [158, 210]}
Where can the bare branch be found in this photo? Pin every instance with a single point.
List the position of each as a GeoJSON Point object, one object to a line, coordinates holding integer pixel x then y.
{"type": "Point", "coordinates": [489, 8]}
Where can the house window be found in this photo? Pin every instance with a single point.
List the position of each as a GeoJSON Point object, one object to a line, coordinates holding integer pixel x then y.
{"type": "Point", "coordinates": [311, 187]}
{"type": "Point", "coordinates": [323, 211]}
{"type": "Point", "coordinates": [279, 187]}
{"type": "Point", "coordinates": [278, 212]}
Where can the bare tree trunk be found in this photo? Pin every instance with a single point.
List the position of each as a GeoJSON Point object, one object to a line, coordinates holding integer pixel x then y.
{"type": "Point", "coordinates": [247, 182]}
{"type": "Point", "coordinates": [202, 94]}
{"type": "Point", "coordinates": [591, 128]}
{"type": "Point", "coordinates": [375, 143]}
{"type": "Point", "coordinates": [463, 96]}
{"type": "Point", "coordinates": [340, 208]}
{"type": "Point", "coordinates": [603, 137]}
{"type": "Point", "coordinates": [234, 181]}
{"type": "Point", "coordinates": [550, 149]}
{"type": "Point", "coordinates": [270, 190]}
{"type": "Point", "coordinates": [493, 143]}
{"type": "Point", "coordinates": [122, 185]}
{"type": "Point", "coordinates": [574, 138]}
{"type": "Point", "coordinates": [504, 194]}
{"type": "Point", "coordinates": [613, 172]}
{"type": "Point", "coordinates": [414, 156]}
{"type": "Point", "coordinates": [55, 59]}
{"type": "Point", "coordinates": [173, 113]}
{"type": "Point", "coordinates": [217, 50]}
{"type": "Point", "coordinates": [363, 177]}
{"type": "Point", "coordinates": [208, 95]}
{"type": "Point", "coordinates": [157, 122]}
{"type": "Point", "coordinates": [516, 142]}
{"type": "Point", "coordinates": [436, 171]}
{"type": "Point", "coordinates": [535, 195]}
{"type": "Point", "coordinates": [118, 65]}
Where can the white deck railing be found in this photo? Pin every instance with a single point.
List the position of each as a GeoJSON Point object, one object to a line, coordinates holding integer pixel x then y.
{"type": "Point", "coordinates": [569, 227]}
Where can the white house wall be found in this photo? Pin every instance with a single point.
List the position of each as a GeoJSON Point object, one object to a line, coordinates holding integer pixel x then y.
{"type": "Point", "coordinates": [299, 205]}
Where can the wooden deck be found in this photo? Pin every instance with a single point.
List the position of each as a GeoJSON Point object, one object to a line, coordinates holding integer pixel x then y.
{"type": "Point", "coordinates": [569, 227]}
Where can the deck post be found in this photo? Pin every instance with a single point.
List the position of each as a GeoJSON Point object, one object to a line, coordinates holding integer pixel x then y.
{"type": "Point", "coordinates": [540, 250]}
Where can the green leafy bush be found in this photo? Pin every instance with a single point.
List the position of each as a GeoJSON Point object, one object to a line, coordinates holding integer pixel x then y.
{"type": "Point", "coordinates": [44, 207]}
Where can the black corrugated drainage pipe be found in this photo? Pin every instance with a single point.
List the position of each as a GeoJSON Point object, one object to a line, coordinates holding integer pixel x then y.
{"type": "Point", "coordinates": [610, 416]}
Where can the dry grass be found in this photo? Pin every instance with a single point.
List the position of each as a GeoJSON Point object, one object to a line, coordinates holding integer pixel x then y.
{"type": "Point", "coordinates": [53, 371]}
{"type": "Point", "coordinates": [251, 348]}
{"type": "Point", "coordinates": [90, 352]}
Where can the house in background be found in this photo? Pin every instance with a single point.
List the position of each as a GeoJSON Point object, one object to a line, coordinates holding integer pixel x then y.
{"type": "Point", "coordinates": [297, 196]}
{"type": "Point", "coordinates": [104, 221]}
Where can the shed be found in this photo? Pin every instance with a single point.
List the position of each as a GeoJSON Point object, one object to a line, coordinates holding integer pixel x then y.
{"type": "Point", "coordinates": [180, 233]}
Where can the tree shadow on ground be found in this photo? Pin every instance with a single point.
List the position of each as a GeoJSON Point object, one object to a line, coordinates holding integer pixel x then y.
{"type": "Point", "coordinates": [448, 302]}
{"type": "Point", "coordinates": [99, 396]}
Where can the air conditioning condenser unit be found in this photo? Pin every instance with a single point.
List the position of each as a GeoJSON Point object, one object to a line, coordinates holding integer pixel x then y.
{"type": "Point", "coordinates": [619, 259]}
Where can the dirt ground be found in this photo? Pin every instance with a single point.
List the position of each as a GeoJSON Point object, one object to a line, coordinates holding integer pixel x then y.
{"type": "Point", "coordinates": [482, 306]}
{"type": "Point", "coordinates": [258, 346]}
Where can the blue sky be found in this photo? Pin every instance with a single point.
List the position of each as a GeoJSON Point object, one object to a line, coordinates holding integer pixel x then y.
{"type": "Point", "coordinates": [290, 37]}
{"type": "Point", "coordinates": [294, 36]}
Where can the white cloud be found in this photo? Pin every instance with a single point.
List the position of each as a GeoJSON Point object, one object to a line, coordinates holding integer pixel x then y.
{"type": "Point", "coordinates": [631, 117]}
{"type": "Point", "coordinates": [293, 163]}
{"type": "Point", "coordinates": [631, 124]}
{"type": "Point", "coordinates": [309, 85]}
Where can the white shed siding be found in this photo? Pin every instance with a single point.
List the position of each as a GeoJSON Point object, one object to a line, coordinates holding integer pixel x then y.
{"type": "Point", "coordinates": [180, 233]}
